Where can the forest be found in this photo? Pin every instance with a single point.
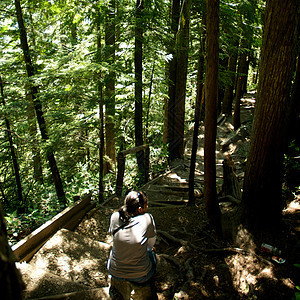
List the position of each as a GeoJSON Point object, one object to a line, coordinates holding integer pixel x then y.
{"type": "Point", "coordinates": [82, 81]}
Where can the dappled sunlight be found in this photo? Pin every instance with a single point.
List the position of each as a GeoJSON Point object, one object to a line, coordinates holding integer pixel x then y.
{"type": "Point", "coordinates": [108, 239]}
{"type": "Point", "coordinates": [73, 257]}
{"type": "Point", "coordinates": [266, 273]}
{"type": "Point", "coordinates": [244, 239]}
{"type": "Point", "coordinates": [253, 272]}
{"type": "Point", "coordinates": [243, 270]}
{"type": "Point", "coordinates": [200, 151]}
{"type": "Point", "coordinates": [174, 176]}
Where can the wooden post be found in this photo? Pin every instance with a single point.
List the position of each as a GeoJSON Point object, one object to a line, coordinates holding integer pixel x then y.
{"type": "Point", "coordinates": [121, 171]}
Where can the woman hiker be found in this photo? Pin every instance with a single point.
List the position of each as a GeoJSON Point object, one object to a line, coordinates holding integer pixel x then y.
{"type": "Point", "coordinates": [132, 262]}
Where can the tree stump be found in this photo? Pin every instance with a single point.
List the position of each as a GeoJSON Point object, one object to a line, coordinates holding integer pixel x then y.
{"type": "Point", "coordinates": [231, 187]}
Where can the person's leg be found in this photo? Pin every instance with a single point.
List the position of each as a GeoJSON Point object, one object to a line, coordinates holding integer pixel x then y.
{"type": "Point", "coordinates": [141, 291]}
{"type": "Point", "coordinates": [120, 289]}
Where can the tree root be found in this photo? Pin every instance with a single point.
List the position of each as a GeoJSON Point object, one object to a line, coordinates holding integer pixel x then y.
{"type": "Point", "coordinates": [229, 198]}
{"type": "Point", "coordinates": [176, 240]}
{"type": "Point", "coordinates": [172, 259]}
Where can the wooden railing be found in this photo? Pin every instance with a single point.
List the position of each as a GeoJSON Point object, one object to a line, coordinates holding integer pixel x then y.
{"type": "Point", "coordinates": [121, 158]}
{"type": "Point", "coordinates": [68, 219]}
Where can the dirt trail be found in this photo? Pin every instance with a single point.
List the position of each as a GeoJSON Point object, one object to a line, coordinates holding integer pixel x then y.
{"type": "Point", "coordinates": [194, 263]}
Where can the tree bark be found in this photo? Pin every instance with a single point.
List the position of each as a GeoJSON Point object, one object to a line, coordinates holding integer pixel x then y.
{"type": "Point", "coordinates": [231, 185]}
{"type": "Point", "coordinates": [293, 116]}
{"type": "Point", "coordinates": [228, 94]}
{"type": "Point", "coordinates": [262, 199]}
{"type": "Point", "coordinates": [21, 203]}
{"type": "Point", "coordinates": [182, 44]}
{"type": "Point", "coordinates": [178, 76]}
{"type": "Point", "coordinates": [138, 62]}
{"type": "Point", "coordinates": [101, 146]}
{"type": "Point", "coordinates": [110, 102]}
{"type": "Point", "coordinates": [149, 104]}
{"type": "Point", "coordinates": [211, 100]}
{"type": "Point", "coordinates": [198, 113]}
{"type": "Point", "coordinates": [38, 106]}
{"type": "Point", "coordinates": [242, 74]}
{"type": "Point", "coordinates": [37, 161]}
{"type": "Point", "coordinates": [11, 283]}
{"type": "Point", "coordinates": [101, 117]}
{"type": "Point", "coordinates": [172, 78]}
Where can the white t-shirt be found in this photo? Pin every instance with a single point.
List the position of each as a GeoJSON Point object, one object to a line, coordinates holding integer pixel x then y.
{"type": "Point", "coordinates": [129, 257]}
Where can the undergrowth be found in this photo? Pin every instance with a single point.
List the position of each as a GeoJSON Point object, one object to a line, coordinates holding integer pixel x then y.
{"type": "Point", "coordinates": [42, 203]}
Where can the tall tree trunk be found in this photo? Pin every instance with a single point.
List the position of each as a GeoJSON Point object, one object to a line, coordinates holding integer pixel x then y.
{"type": "Point", "coordinates": [262, 199]}
{"type": "Point", "coordinates": [182, 43]}
{"type": "Point", "coordinates": [172, 79]}
{"type": "Point", "coordinates": [293, 116]}
{"type": "Point", "coordinates": [149, 104]}
{"type": "Point", "coordinates": [242, 74]}
{"type": "Point", "coordinates": [198, 112]}
{"type": "Point", "coordinates": [38, 106]}
{"type": "Point", "coordinates": [178, 79]}
{"type": "Point", "coordinates": [21, 203]}
{"type": "Point", "coordinates": [101, 116]}
{"type": "Point", "coordinates": [138, 63]}
{"type": "Point", "coordinates": [11, 283]}
{"type": "Point", "coordinates": [32, 127]}
{"type": "Point", "coordinates": [101, 146]}
{"type": "Point", "coordinates": [228, 94]}
{"type": "Point", "coordinates": [110, 102]}
{"type": "Point", "coordinates": [165, 107]}
{"type": "Point", "coordinates": [37, 162]}
{"type": "Point", "coordinates": [211, 100]}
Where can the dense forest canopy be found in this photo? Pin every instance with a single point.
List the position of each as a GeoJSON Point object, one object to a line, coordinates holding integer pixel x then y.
{"type": "Point", "coordinates": [83, 60]}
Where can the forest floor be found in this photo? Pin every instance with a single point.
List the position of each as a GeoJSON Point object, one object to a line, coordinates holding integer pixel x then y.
{"type": "Point", "coordinates": [194, 263]}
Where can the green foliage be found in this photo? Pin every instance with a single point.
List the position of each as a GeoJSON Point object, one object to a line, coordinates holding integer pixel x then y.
{"type": "Point", "coordinates": [67, 46]}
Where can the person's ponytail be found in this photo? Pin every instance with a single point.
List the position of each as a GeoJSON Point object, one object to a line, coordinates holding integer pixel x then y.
{"type": "Point", "coordinates": [124, 216]}
{"type": "Point", "coordinates": [132, 202]}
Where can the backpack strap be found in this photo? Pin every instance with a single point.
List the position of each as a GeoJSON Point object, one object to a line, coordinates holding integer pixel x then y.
{"type": "Point", "coordinates": [120, 227]}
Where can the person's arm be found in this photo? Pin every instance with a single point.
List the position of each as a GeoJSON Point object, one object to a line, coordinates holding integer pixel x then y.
{"type": "Point", "coordinates": [151, 242]}
{"type": "Point", "coordinates": [152, 239]}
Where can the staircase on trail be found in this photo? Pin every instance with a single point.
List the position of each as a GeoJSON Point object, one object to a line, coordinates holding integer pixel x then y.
{"type": "Point", "coordinates": [72, 263]}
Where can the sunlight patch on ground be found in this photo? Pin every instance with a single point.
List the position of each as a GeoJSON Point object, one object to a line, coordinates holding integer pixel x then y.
{"type": "Point", "coordinates": [266, 273]}
{"type": "Point", "coordinates": [175, 176]}
{"type": "Point", "coordinates": [244, 239]}
{"type": "Point", "coordinates": [244, 268]}
{"type": "Point", "coordinates": [292, 207]}
{"type": "Point", "coordinates": [200, 151]}
{"type": "Point", "coordinates": [109, 239]}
